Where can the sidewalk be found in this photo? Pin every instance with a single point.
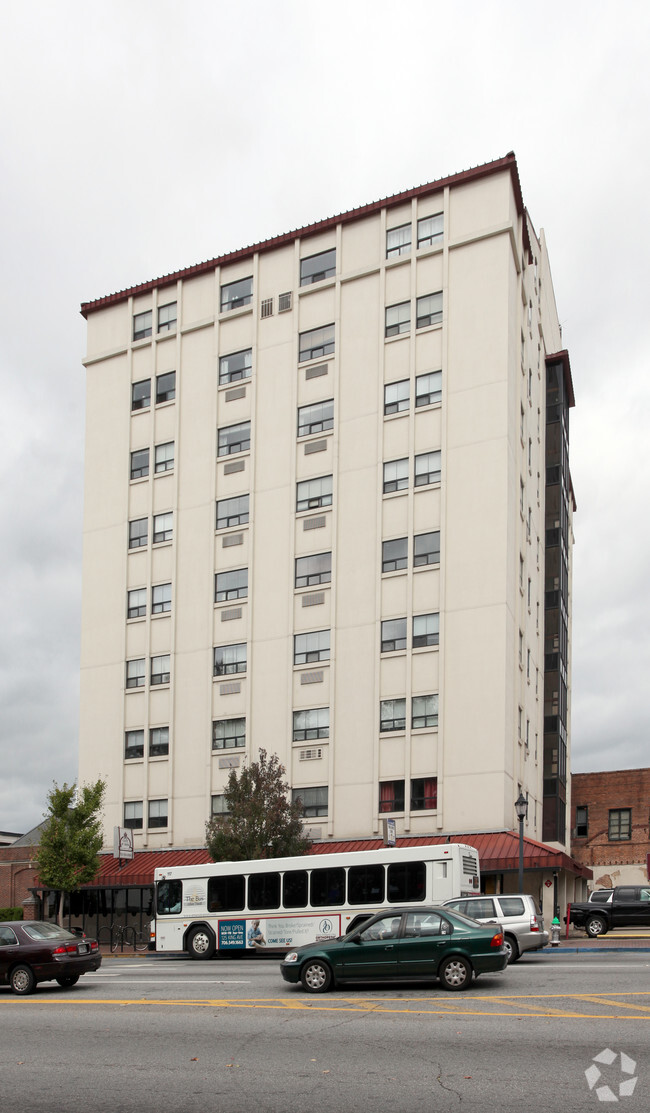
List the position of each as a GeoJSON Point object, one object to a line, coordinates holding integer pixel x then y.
{"type": "Point", "coordinates": [620, 939]}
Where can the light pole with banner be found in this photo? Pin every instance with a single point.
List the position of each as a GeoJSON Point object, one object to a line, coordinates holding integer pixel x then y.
{"type": "Point", "coordinates": [521, 808]}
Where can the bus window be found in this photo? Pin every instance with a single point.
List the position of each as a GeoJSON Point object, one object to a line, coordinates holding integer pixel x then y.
{"type": "Point", "coordinates": [327, 887]}
{"type": "Point", "coordinates": [226, 894]}
{"type": "Point", "coordinates": [406, 882]}
{"type": "Point", "coordinates": [365, 884]}
{"type": "Point", "coordinates": [169, 896]}
{"type": "Point", "coordinates": [264, 890]}
{"type": "Point", "coordinates": [294, 889]}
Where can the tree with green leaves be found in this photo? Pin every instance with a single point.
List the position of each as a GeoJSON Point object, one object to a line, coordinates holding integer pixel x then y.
{"type": "Point", "coordinates": [68, 854]}
{"type": "Point", "coordinates": [260, 821]}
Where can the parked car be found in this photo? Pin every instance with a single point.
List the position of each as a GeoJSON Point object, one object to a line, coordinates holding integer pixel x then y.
{"type": "Point", "coordinates": [600, 896]}
{"type": "Point", "coordinates": [523, 926]}
{"type": "Point", "coordinates": [34, 951]}
{"type": "Point", "coordinates": [629, 906]}
{"type": "Point", "coordinates": [401, 943]}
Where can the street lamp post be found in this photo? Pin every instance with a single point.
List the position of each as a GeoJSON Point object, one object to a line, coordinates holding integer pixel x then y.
{"type": "Point", "coordinates": [521, 808]}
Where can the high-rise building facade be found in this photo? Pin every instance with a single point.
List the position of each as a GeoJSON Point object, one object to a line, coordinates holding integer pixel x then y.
{"type": "Point", "coordinates": [317, 522]}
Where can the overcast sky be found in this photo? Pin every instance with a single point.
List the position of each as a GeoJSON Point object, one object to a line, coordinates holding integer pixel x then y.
{"type": "Point", "coordinates": [139, 137]}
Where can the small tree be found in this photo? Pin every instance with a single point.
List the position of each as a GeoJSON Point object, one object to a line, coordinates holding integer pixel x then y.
{"type": "Point", "coordinates": [68, 854]}
{"type": "Point", "coordinates": [261, 821]}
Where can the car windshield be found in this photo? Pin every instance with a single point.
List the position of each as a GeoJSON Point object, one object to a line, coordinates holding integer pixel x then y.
{"type": "Point", "coordinates": [40, 931]}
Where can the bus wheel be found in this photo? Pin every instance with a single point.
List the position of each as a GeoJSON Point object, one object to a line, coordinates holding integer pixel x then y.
{"type": "Point", "coordinates": [200, 943]}
{"type": "Point", "coordinates": [316, 976]}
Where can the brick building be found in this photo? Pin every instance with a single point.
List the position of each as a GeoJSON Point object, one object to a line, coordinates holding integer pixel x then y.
{"type": "Point", "coordinates": [610, 825]}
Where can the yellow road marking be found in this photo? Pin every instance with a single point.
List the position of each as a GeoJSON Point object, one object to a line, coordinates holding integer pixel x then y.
{"type": "Point", "coordinates": [511, 1006]}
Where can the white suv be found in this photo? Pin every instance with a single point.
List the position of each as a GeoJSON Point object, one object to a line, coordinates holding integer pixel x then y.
{"type": "Point", "coordinates": [523, 926]}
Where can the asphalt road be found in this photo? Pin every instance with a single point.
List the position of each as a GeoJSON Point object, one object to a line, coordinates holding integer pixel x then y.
{"type": "Point", "coordinates": [154, 1034]}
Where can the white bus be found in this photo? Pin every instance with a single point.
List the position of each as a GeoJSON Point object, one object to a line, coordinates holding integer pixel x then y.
{"type": "Point", "coordinates": [281, 903]}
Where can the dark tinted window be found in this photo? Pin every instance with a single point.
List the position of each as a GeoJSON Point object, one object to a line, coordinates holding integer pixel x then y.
{"type": "Point", "coordinates": [366, 884]}
{"type": "Point", "coordinates": [294, 889]}
{"type": "Point", "coordinates": [264, 890]}
{"type": "Point", "coordinates": [406, 882]}
{"type": "Point", "coordinates": [327, 887]}
{"type": "Point", "coordinates": [226, 894]}
{"type": "Point", "coordinates": [169, 897]}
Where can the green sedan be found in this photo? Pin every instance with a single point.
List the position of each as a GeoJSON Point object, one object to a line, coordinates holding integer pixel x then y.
{"type": "Point", "coordinates": [401, 944]}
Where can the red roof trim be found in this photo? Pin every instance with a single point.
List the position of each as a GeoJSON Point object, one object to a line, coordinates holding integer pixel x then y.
{"type": "Point", "coordinates": [498, 852]}
{"type": "Point", "coordinates": [507, 163]}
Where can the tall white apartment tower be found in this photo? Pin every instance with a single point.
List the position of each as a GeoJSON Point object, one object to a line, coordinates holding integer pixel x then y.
{"type": "Point", "coordinates": [320, 520]}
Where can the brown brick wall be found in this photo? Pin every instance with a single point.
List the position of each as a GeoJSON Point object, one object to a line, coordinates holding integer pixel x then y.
{"type": "Point", "coordinates": [623, 788]}
{"type": "Point", "coordinates": [17, 874]}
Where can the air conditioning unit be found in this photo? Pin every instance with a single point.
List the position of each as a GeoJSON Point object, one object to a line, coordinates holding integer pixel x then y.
{"type": "Point", "coordinates": [284, 302]}
{"type": "Point", "coordinates": [312, 754]}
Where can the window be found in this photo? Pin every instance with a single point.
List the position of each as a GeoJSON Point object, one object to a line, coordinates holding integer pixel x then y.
{"type": "Point", "coordinates": [165, 387]}
{"type": "Point", "coordinates": [582, 822]}
{"type": "Point", "coordinates": [232, 512]}
{"type": "Point", "coordinates": [427, 468]}
{"type": "Point", "coordinates": [160, 669]}
{"type": "Point", "coordinates": [424, 794]}
{"type": "Point", "coordinates": [396, 397]}
{"type": "Point", "coordinates": [316, 418]}
{"type": "Point", "coordinates": [426, 630]}
{"type": "Point", "coordinates": [161, 598]}
{"type": "Point", "coordinates": [426, 549]}
{"type": "Point", "coordinates": [314, 493]}
{"type": "Point", "coordinates": [327, 886]}
{"type": "Point", "coordinates": [236, 294]}
{"type": "Point", "coordinates": [138, 532]}
{"type": "Point", "coordinates": [430, 229]}
{"type": "Point", "coordinates": [429, 310]}
{"type": "Point", "coordinates": [141, 395]}
{"type": "Point", "coordinates": [316, 343]}
{"type": "Point", "coordinates": [620, 824]}
{"type": "Point", "coordinates": [312, 724]}
{"type": "Point", "coordinates": [428, 388]}
{"type": "Point", "coordinates": [228, 734]}
{"type": "Point", "coordinates": [133, 815]}
{"type": "Point", "coordinates": [312, 647]}
{"type": "Point", "coordinates": [406, 882]}
{"type": "Point", "coordinates": [366, 885]}
{"type": "Point", "coordinates": [134, 744]}
{"type": "Point", "coordinates": [231, 585]}
{"type": "Point", "coordinates": [394, 554]}
{"type": "Point", "coordinates": [236, 366]}
{"type": "Point", "coordinates": [157, 813]}
{"type": "Point", "coordinates": [398, 240]}
{"type": "Point", "coordinates": [398, 319]}
{"type": "Point", "coordinates": [167, 317]}
{"type": "Point", "coordinates": [135, 673]}
{"type": "Point", "coordinates": [396, 476]}
{"type": "Point", "coordinates": [164, 457]}
{"type": "Point", "coordinates": [424, 711]}
{"type": "Point", "coordinates": [313, 800]}
{"type": "Point", "coordinates": [312, 570]}
{"type": "Point", "coordinates": [295, 888]}
{"type": "Point", "coordinates": [136, 602]}
{"type": "Point", "coordinates": [393, 635]}
{"type": "Point", "coordinates": [229, 659]}
{"type": "Point", "coordinates": [158, 741]}
{"type": "Point", "coordinates": [142, 323]}
{"type": "Point", "coordinates": [234, 438]}
{"type": "Point", "coordinates": [163, 527]}
{"type": "Point", "coordinates": [226, 894]}
{"type": "Point", "coordinates": [391, 796]}
{"type": "Point", "coordinates": [392, 715]}
{"type": "Point", "coordinates": [219, 805]}
{"type": "Point", "coordinates": [263, 892]}
{"type": "Point", "coordinates": [317, 267]}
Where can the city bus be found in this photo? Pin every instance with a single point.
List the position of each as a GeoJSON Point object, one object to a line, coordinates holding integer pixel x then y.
{"type": "Point", "coordinates": [277, 904]}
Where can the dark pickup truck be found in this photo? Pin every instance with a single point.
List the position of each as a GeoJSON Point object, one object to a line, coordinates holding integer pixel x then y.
{"type": "Point", "coordinates": [629, 907]}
